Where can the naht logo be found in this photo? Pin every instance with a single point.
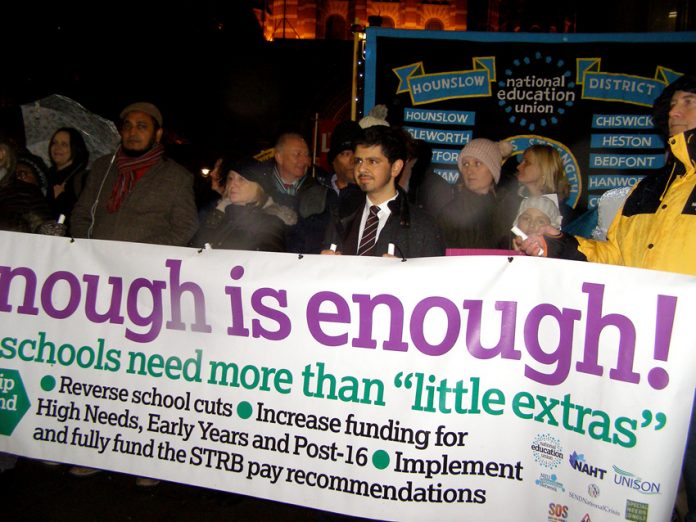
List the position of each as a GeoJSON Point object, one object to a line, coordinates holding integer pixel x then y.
{"type": "Point", "coordinates": [577, 462]}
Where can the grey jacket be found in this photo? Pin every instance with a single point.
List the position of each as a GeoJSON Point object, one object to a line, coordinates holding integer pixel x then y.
{"type": "Point", "coordinates": [160, 209]}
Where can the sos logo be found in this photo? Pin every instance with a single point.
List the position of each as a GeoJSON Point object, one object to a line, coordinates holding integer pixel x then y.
{"type": "Point", "coordinates": [557, 512]}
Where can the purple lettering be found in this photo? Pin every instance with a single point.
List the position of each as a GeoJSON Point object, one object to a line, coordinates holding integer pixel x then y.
{"type": "Point", "coordinates": [596, 322]}
{"type": "Point", "coordinates": [454, 324]}
{"type": "Point", "coordinates": [658, 377]}
{"type": "Point", "coordinates": [284, 326]}
{"type": "Point", "coordinates": [315, 317]}
{"type": "Point", "coordinates": [6, 276]}
{"type": "Point", "coordinates": [562, 354]}
{"type": "Point", "coordinates": [113, 313]}
{"type": "Point", "coordinates": [367, 306]}
{"type": "Point", "coordinates": [236, 307]}
{"type": "Point", "coordinates": [47, 294]}
{"type": "Point", "coordinates": [506, 344]}
{"type": "Point", "coordinates": [154, 319]}
{"type": "Point", "coordinates": [176, 288]}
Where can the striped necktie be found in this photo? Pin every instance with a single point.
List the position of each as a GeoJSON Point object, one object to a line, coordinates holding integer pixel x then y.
{"type": "Point", "coordinates": [367, 243]}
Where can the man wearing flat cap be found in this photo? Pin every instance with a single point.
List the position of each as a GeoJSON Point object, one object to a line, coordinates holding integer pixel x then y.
{"type": "Point", "coordinates": [137, 194]}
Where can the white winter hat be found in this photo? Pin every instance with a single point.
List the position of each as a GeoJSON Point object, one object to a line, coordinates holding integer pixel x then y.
{"type": "Point", "coordinates": [543, 204]}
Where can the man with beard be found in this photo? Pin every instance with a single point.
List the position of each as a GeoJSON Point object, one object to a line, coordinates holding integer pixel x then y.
{"type": "Point", "coordinates": [137, 194]}
{"type": "Point", "coordinates": [386, 217]}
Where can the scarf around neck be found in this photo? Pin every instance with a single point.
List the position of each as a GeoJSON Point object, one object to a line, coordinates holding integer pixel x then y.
{"type": "Point", "coordinates": [130, 170]}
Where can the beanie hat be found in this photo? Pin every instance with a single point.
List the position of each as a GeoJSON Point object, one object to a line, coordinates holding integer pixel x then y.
{"type": "Point", "coordinates": [249, 169]}
{"type": "Point", "coordinates": [37, 166]}
{"type": "Point", "coordinates": [343, 138]}
{"type": "Point", "coordinates": [147, 108]}
{"type": "Point", "coordinates": [543, 204]}
{"type": "Point", "coordinates": [376, 116]}
{"type": "Point", "coordinates": [661, 107]}
{"type": "Point", "coordinates": [490, 153]}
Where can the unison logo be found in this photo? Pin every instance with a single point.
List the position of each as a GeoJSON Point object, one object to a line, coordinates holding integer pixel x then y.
{"type": "Point", "coordinates": [629, 480]}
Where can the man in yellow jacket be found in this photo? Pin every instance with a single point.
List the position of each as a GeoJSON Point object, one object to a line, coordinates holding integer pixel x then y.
{"type": "Point", "coordinates": [656, 228]}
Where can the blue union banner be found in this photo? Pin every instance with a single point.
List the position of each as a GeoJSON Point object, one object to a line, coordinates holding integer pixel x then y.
{"type": "Point", "coordinates": [590, 96]}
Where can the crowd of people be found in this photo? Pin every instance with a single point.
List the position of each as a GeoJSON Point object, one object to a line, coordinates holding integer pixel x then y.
{"type": "Point", "coordinates": [380, 197]}
{"type": "Point", "coordinates": [138, 193]}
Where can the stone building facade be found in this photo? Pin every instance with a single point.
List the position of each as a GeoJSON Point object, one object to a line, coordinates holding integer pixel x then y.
{"type": "Point", "coordinates": [333, 19]}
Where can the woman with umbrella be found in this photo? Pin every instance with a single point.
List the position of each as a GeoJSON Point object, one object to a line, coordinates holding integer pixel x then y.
{"type": "Point", "coordinates": [69, 157]}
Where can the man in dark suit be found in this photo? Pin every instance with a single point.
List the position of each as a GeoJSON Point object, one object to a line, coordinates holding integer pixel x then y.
{"type": "Point", "coordinates": [386, 217]}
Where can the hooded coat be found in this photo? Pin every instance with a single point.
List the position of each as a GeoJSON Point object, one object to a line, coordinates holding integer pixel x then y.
{"type": "Point", "coordinates": [655, 227]}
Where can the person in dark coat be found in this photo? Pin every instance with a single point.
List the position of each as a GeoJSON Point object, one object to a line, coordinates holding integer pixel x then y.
{"type": "Point", "coordinates": [425, 187]}
{"type": "Point", "coordinates": [245, 217]}
{"type": "Point", "coordinates": [343, 195]}
{"type": "Point", "coordinates": [137, 193]}
{"type": "Point", "coordinates": [380, 154]}
{"type": "Point", "coordinates": [472, 219]}
{"type": "Point", "coordinates": [289, 182]}
{"type": "Point", "coordinates": [32, 169]}
{"type": "Point", "coordinates": [66, 176]}
{"type": "Point", "coordinates": [23, 207]}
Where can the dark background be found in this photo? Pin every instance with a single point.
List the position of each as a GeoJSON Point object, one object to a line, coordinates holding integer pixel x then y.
{"type": "Point", "coordinates": [219, 84]}
{"type": "Point", "coordinates": [206, 64]}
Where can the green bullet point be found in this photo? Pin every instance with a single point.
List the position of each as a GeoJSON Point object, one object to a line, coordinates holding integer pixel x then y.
{"type": "Point", "coordinates": [244, 410]}
{"type": "Point", "coordinates": [380, 459]}
{"type": "Point", "coordinates": [48, 382]}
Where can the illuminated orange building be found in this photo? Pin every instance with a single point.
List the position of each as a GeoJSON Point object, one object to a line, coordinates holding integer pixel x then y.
{"type": "Point", "coordinates": [332, 19]}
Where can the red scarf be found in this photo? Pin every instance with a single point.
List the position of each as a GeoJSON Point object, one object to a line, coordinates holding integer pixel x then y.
{"type": "Point", "coordinates": [130, 170]}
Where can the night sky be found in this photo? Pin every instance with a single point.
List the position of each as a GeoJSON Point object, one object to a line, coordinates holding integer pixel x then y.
{"type": "Point", "coordinates": [205, 63]}
{"type": "Point", "coordinates": [219, 84]}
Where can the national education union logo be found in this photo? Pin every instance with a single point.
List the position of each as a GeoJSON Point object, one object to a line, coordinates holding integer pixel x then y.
{"type": "Point", "coordinates": [547, 450]}
{"type": "Point", "coordinates": [536, 90]}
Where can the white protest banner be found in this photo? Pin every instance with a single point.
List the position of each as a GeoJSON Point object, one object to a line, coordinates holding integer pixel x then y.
{"type": "Point", "coordinates": [470, 388]}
